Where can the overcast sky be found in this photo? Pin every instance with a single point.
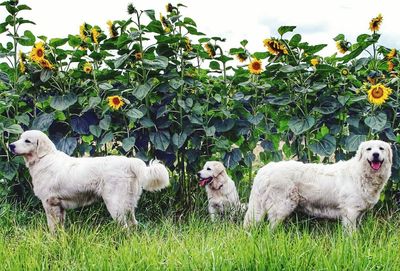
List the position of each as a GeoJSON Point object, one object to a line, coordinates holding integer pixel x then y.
{"type": "Point", "coordinates": [318, 21]}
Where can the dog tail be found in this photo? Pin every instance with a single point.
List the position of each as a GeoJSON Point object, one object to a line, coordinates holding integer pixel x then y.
{"type": "Point", "coordinates": [156, 177]}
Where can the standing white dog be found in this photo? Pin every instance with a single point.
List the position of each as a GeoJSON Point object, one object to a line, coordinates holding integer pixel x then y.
{"type": "Point", "coordinates": [63, 182]}
{"type": "Point", "coordinates": [221, 190]}
{"type": "Point", "coordinates": [343, 190]}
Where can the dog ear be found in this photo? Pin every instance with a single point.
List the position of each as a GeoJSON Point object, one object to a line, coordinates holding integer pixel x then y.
{"type": "Point", "coordinates": [360, 152]}
{"type": "Point", "coordinates": [44, 146]}
{"type": "Point", "coordinates": [219, 169]}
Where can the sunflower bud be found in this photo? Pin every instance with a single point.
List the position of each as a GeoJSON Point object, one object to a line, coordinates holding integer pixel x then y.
{"type": "Point", "coordinates": [131, 9]}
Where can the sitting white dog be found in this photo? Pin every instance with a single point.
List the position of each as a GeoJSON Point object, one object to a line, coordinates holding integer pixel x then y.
{"type": "Point", "coordinates": [63, 182]}
{"type": "Point", "coordinates": [221, 190]}
{"type": "Point", "coordinates": [342, 190]}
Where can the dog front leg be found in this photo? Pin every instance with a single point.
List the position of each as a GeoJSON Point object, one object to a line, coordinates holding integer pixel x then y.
{"type": "Point", "coordinates": [55, 213]}
{"type": "Point", "coordinates": [349, 220]}
{"type": "Point", "coordinates": [212, 210]}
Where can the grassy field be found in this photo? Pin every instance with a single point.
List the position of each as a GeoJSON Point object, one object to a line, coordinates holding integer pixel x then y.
{"type": "Point", "coordinates": [91, 241]}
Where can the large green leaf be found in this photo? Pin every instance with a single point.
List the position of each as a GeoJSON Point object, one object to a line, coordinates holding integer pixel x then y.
{"type": "Point", "coordinates": [224, 125]}
{"type": "Point", "coordinates": [67, 145]}
{"type": "Point", "coordinates": [159, 63]}
{"type": "Point", "coordinates": [142, 90]}
{"type": "Point", "coordinates": [232, 159]}
{"type": "Point", "coordinates": [327, 107]}
{"type": "Point", "coordinates": [324, 147]}
{"type": "Point", "coordinates": [376, 122]}
{"type": "Point", "coordinates": [179, 139]}
{"type": "Point", "coordinates": [107, 138]}
{"type": "Point", "coordinates": [63, 102]}
{"type": "Point", "coordinates": [301, 125]}
{"type": "Point", "coordinates": [28, 39]}
{"type": "Point", "coordinates": [285, 29]}
{"type": "Point", "coordinates": [128, 143]}
{"type": "Point", "coordinates": [135, 114]}
{"type": "Point", "coordinates": [353, 141]}
{"type": "Point", "coordinates": [160, 140]}
{"type": "Point", "coordinates": [105, 122]}
{"type": "Point", "coordinates": [43, 122]}
{"type": "Point", "coordinates": [14, 129]}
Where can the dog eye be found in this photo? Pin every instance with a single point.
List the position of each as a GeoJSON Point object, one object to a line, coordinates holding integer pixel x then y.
{"type": "Point", "coordinates": [381, 148]}
{"type": "Point", "coordinates": [368, 149]}
{"type": "Point", "coordinates": [208, 168]}
{"type": "Point", "coordinates": [27, 141]}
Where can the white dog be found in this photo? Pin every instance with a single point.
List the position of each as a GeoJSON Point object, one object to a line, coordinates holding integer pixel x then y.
{"type": "Point", "coordinates": [221, 190]}
{"type": "Point", "coordinates": [63, 182]}
{"type": "Point", "coordinates": [342, 190]}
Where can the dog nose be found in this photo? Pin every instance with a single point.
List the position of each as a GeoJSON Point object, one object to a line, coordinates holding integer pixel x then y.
{"type": "Point", "coordinates": [375, 155]}
{"type": "Point", "coordinates": [198, 174]}
{"type": "Point", "coordinates": [12, 147]}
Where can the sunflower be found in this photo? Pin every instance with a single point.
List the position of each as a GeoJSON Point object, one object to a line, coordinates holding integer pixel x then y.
{"type": "Point", "coordinates": [83, 32]}
{"type": "Point", "coordinates": [87, 67]}
{"type": "Point", "coordinates": [165, 23]}
{"type": "Point", "coordinates": [115, 102]}
{"type": "Point", "coordinates": [37, 53]}
{"type": "Point", "coordinates": [188, 44]}
{"type": "Point", "coordinates": [378, 94]}
{"type": "Point", "coordinates": [255, 66]}
{"type": "Point", "coordinates": [21, 64]}
{"type": "Point", "coordinates": [391, 54]}
{"type": "Point", "coordinates": [390, 66]}
{"type": "Point", "coordinates": [344, 72]}
{"type": "Point", "coordinates": [275, 47]}
{"type": "Point", "coordinates": [95, 35]}
{"type": "Point", "coordinates": [138, 56]}
{"type": "Point", "coordinates": [45, 64]}
{"type": "Point", "coordinates": [169, 7]}
{"type": "Point", "coordinates": [314, 62]}
{"type": "Point", "coordinates": [241, 57]}
{"type": "Point", "coordinates": [210, 49]}
{"type": "Point", "coordinates": [375, 23]}
{"type": "Point", "coordinates": [112, 29]}
{"type": "Point", "coordinates": [343, 46]}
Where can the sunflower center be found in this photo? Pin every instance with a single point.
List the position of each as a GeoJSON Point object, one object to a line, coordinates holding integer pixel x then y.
{"type": "Point", "coordinates": [256, 65]}
{"type": "Point", "coordinates": [116, 101]}
{"type": "Point", "coordinates": [377, 92]}
{"type": "Point", "coordinates": [39, 52]}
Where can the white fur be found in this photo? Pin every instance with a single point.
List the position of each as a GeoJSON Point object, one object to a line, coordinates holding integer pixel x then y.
{"type": "Point", "coordinates": [63, 182]}
{"type": "Point", "coordinates": [223, 199]}
{"type": "Point", "coordinates": [342, 190]}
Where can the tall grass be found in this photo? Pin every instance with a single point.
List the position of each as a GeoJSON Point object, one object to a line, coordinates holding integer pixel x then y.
{"type": "Point", "coordinates": [91, 242]}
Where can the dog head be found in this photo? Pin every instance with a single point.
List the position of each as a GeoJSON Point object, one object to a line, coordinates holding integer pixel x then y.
{"type": "Point", "coordinates": [375, 155]}
{"type": "Point", "coordinates": [33, 145]}
{"type": "Point", "coordinates": [211, 172]}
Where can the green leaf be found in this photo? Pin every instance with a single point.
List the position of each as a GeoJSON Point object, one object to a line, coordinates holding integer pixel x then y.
{"type": "Point", "coordinates": [215, 65]}
{"type": "Point", "coordinates": [324, 147]}
{"type": "Point", "coordinates": [176, 83]}
{"type": "Point", "coordinates": [295, 40]}
{"type": "Point", "coordinates": [67, 145]}
{"type": "Point", "coordinates": [42, 122]}
{"type": "Point", "coordinates": [232, 159]}
{"type": "Point", "coordinates": [279, 100]}
{"type": "Point", "coordinates": [94, 101]}
{"type": "Point", "coordinates": [300, 125]}
{"type": "Point", "coordinates": [128, 143]}
{"type": "Point", "coordinates": [339, 37]}
{"type": "Point", "coordinates": [179, 139]}
{"type": "Point", "coordinates": [327, 107]}
{"type": "Point", "coordinates": [8, 170]}
{"type": "Point", "coordinates": [151, 14]}
{"type": "Point", "coordinates": [63, 102]}
{"type": "Point", "coordinates": [95, 130]}
{"type": "Point", "coordinates": [28, 39]}
{"type": "Point", "coordinates": [210, 131]}
{"type": "Point", "coordinates": [284, 29]}
{"type": "Point", "coordinates": [159, 63]}
{"type": "Point", "coordinates": [376, 122]}
{"type": "Point", "coordinates": [146, 122]}
{"type": "Point", "coordinates": [352, 142]}
{"type": "Point", "coordinates": [135, 114]}
{"type": "Point", "coordinates": [119, 61]}
{"type": "Point", "coordinates": [45, 75]}
{"type": "Point", "coordinates": [14, 129]}
{"type": "Point", "coordinates": [105, 122]}
{"type": "Point", "coordinates": [58, 42]}
{"type": "Point", "coordinates": [225, 125]}
{"type": "Point", "coordinates": [160, 140]}
{"type": "Point", "coordinates": [24, 119]}
{"type": "Point", "coordinates": [244, 43]}
{"type": "Point", "coordinates": [142, 90]}
{"type": "Point", "coordinates": [107, 138]}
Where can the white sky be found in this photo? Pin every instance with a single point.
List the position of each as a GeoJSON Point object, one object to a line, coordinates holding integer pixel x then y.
{"type": "Point", "coordinates": [318, 21]}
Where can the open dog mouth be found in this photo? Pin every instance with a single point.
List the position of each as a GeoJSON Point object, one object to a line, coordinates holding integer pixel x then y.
{"type": "Point", "coordinates": [375, 164]}
{"type": "Point", "coordinates": [205, 181]}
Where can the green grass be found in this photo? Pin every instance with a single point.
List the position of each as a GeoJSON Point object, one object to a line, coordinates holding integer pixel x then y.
{"type": "Point", "coordinates": [91, 241]}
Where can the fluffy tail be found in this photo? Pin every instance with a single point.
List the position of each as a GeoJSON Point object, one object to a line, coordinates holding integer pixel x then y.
{"type": "Point", "coordinates": [156, 177]}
